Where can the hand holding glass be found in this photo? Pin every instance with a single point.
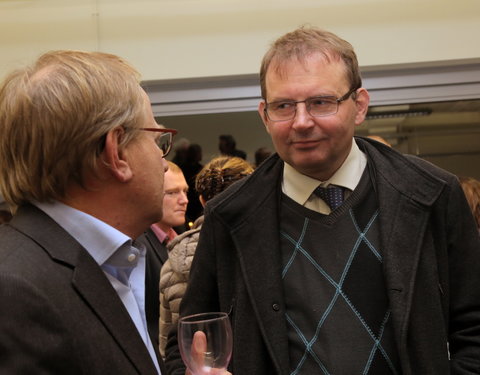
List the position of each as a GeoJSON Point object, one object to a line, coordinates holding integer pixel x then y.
{"type": "Point", "coordinates": [205, 342]}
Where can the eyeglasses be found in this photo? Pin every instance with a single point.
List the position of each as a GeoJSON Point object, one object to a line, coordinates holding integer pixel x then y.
{"type": "Point", "coordinates": [317, 106]}
{"type": "Point", "coordinates": [164, 140]}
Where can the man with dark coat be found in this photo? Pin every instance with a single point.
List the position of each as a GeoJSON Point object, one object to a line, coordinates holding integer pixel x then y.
{"type": "Point", "coordinates": [338, 255]}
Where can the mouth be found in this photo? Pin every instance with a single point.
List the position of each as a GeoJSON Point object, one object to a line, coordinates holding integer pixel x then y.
{"type": "Point", "coordinates": [305, 143]}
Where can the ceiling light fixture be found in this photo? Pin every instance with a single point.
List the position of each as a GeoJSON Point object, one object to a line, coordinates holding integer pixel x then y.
{"type": "Point", "coordinates": [393, 114]}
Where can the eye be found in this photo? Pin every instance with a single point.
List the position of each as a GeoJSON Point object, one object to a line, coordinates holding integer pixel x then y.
{"type": "Point", "coordinates": [282, 106]}
{"type": "Point", "coordinates": [321, 101]}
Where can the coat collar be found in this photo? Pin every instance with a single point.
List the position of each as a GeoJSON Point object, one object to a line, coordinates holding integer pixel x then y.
{"type": "Point", "coordinates": [88, 280]}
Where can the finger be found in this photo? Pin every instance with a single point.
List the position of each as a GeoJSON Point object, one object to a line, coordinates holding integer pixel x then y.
{"type": "Point", "coordinates": [199, 347]}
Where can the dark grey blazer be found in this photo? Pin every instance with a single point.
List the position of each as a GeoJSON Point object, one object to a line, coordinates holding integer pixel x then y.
{"type": "Point", "coordinates": [59, 314]}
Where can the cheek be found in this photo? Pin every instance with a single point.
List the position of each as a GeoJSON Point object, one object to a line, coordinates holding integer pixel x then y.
{"type": "Point", "coordinates": [340, 126]}
{"type": "Point", "coordinates": [278, 134]}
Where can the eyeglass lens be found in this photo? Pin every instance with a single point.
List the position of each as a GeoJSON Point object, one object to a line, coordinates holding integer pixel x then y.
{"type": "Point", "coordinates": [317, 106]}
{"type": "Point", "coordinates": [164, 142]}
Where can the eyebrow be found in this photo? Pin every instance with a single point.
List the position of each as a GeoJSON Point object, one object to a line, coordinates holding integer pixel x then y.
{"type": "Point", "coordinates": [308, 97]}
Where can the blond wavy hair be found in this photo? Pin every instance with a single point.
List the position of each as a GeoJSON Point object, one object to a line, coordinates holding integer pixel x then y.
{"type": "Point", "coordinates": [54, 117]}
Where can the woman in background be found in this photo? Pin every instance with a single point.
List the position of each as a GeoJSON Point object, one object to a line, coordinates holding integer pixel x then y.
{"type": "Point", "coordinates": [214, 178]}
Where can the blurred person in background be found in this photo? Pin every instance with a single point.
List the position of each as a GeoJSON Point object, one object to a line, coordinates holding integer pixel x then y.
{"type": "Point", "coordinates": [214, 178]}
{"type": "Point", "coordinates": [190, 170]}
{"type": "Point", "coordinates": [261, 155]}
{"type": "Point", "coordinates": [471, 188]}
{"type": "Point", "coordinates": [180, 149]}
{"type": "Point", "coordinates": [228, 146]}
{"type": "Point", "coordinates": [160, 234]}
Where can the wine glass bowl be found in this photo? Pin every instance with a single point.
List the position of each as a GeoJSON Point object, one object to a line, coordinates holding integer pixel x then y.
{"type": "Point", "coordinates": [205, 342]}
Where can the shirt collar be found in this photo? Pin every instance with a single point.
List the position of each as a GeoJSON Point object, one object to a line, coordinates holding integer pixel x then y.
{"type": "Point", "coordinates": [161, 235]}
{"type": "Point", "coordinates": [300, 187]}
{"type": "Point", "coordinates": [97, 237]}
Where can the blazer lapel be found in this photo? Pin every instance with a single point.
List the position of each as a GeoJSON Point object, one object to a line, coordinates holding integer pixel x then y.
{"type": "Point", "coordinates": [94, 287]}
{"type": "Point", "coordinates": [152, 296]}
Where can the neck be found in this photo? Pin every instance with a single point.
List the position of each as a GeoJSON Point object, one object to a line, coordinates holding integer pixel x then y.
{"type": "Point", "coordinates": [103, 206]}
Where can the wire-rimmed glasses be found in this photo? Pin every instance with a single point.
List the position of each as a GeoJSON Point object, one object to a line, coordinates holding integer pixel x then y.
{"type": "Point", "coordinates": [317, 106]}
{"type": "Point", "coordinates": [164, 141]}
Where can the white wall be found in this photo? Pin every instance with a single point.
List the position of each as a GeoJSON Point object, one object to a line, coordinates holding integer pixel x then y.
{"type": "Point", "coordinates": [169, 39]}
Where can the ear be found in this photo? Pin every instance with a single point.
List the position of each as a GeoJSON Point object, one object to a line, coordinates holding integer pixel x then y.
{"type": "Point", "coordinates": [261, 111]}
{"type": "Point", "coordinates": [202, 200]}
{"type": "Point", "coordinates": [361, 101]}
{"type": "Point", "coordinates": [115, 158]}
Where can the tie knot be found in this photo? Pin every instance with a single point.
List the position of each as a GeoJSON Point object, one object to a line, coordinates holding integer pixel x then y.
{"type": "Point", "coordinates": [332, 195]}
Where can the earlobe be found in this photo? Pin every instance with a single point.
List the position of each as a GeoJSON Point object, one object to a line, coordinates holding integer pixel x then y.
{"type": "Point", "coordinates": [115, 158]}
{"type": "Point", "coordinates": [362, 101]}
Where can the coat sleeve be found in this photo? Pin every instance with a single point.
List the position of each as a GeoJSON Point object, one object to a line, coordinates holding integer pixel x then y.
{"type": "Point", "coordinates": [464, 284]}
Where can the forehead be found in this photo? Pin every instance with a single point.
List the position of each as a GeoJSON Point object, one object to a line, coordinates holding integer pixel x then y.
{"type": "Point", "coordinates": [174, 180]}
{"type": "Point", "coordinates": [316, 69]}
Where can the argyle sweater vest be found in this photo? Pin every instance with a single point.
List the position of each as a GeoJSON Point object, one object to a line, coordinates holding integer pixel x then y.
{"type": "Point", "coordinates": [337, 309]}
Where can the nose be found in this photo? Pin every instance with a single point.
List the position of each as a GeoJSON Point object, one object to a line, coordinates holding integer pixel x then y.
{"type": "Point", "coordinates": [165, 165]}
{"type": "Point", "coordinates": [183, 198]}
{"type": "Point", "coordinates": [302, 119]}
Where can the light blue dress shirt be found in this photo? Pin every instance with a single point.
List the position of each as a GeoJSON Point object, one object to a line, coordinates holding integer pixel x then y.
{"type": "Point", "coordinates": [122, 263]}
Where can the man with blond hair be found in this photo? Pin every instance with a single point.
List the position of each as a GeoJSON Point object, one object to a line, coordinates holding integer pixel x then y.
{"type": "Point", "coordinates": [156, 238]}
{"type": "Point", "coordinates": [82, 166]}
{"type": "Point", "coordinates": [338, 255]}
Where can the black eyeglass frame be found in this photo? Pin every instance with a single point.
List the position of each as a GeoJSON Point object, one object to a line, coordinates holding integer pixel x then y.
{"type": "Point", "coordinates": [166, 131]}
{"type": "Point", "coordinates": [337, 100]}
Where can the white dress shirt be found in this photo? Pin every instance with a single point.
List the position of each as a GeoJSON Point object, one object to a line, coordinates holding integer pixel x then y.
{"type": "Point", "coordinates": [300, 187]}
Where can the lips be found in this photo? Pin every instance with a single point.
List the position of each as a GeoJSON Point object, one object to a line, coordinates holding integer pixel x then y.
{"type": "Point", "coordinates": [306, 143]}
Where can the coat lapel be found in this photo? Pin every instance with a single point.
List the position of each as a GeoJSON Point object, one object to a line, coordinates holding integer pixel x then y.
{"type": "Point", "coordinates": [89, 281]}
{"type": "Point", "coordinates": [405, 197]}
{"type": "Point", "coordinates": [400, 221]}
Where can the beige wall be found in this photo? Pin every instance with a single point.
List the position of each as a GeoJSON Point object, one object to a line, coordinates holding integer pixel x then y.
{"type": "Point", "coordinates": [168, 39]}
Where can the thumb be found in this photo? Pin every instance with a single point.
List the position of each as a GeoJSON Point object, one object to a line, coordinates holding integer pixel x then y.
{"type": "Point", "coordinates": [199, 347]}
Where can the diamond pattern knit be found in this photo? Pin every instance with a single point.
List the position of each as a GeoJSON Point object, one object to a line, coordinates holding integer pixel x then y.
{"type": "Point", "coordinates": [337, 309]}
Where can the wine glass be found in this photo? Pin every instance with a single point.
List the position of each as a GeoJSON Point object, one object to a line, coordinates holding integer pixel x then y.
{"type": "Point", "coordinates": [205, 342]}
